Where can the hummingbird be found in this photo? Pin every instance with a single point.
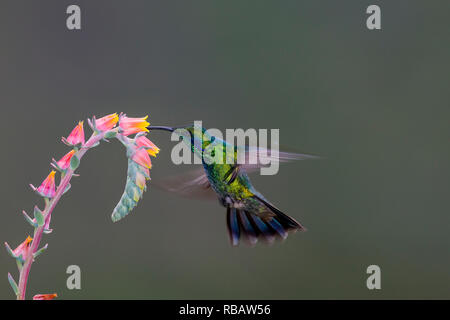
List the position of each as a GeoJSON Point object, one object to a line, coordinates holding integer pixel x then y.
{"type": "Point", "coordinates": [249, 215]}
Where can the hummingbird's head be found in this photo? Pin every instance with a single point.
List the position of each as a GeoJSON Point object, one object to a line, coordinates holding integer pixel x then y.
{"type": "Point", "coordinates": [191, 134]}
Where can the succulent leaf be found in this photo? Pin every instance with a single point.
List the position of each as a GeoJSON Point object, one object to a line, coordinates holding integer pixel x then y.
{"type": "Point", "coordinates": [29, 220]}
{"type": "Point", "coordinates": [110, 134]}
{"type": "Point", "coordinates": [10, 251]}
{"type": "Point", "coordinates": [37, 253]}
{"type": "Point", "coordinates": [132, 193]}
{"type": "Point", "coordinates": [13, 284]}
{"type": "Point", "coordinates": [39, 217]}
{"type": "Point", "coordinates": [74, 163]}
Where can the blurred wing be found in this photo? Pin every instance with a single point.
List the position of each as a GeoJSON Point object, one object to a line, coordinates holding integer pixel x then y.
{"type": "Point", "coordinates": [192, 184]}
{"type": "Point", "coordinates": [256, 158]}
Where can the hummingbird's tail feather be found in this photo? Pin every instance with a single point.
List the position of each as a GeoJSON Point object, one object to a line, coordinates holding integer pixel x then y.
{"type": "Point", "coordinates": [239, 224]}
{"type": "Point", "coordinates": [243, 224]}
{"type": "Point", "coordinates": [288, 222]}
{"type": "Point", "coordinates": [233, 226]}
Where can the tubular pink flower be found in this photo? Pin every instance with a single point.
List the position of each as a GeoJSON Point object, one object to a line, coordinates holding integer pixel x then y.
{"type": "Point", "coordinates": [107, 122]}
{"type": "Point", "coordinates": [46, 296]}
{"type": "Point", "coordinates": [77, 135]}
{"type": "Point", "coordinates": [47, 188]}
{"type": "Point", "coordinates": [142, 158]}
{"type": "Point", "coordinates": [64, 162]}
{"type": "Point", "coordinates": [23, 248]}
{"type": "Point", "coordinates": [143, 141]}
{"type": "Point", "coordinates": [133, 125]}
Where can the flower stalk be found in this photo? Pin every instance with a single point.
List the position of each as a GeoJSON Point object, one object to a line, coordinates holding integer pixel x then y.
{"type": "Point", "coordinates": [47, 212]}
{"type": "Point", "coordinates": [26, 253]}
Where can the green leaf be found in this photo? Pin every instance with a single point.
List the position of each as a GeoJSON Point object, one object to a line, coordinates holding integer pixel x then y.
{"type": "Point", "coordinates": [110, 134]}
{"type": "Point", "coordinates": [13, 284]}
{"type": "Point", "coordinates": [29, 220]}
{"type": "Point", "coordinates": [67, 188]}
{"type": "Point", "coordinates": [39, 217]}
{"type": "Point", "coordinates": [74, 163]}
{"type": "Point", "coordinates": [19, 264]}
{"type": "Point", "coordinates": [21, 259]}
{"type": "Point", "coordinates": [37, 253]}
{"type": "Point", "coordinates": [10, 252]}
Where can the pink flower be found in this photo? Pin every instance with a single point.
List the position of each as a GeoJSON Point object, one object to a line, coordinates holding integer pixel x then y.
{"type": "Point", "coordinates": [107, 122]}
{"type": "Point", "coordinates": [64, 162]}
{"type": "Point", "coordinates": [76, 136]}
{"type": "Point", "coordinates": [23, 248]}
{"type": "Point", "coordinates": [151, 148]}
{"type": "Point", "coordinates": [47, 188]}
{"type": "Point", "coordinates": [133, 125]}
{"type": "Point", "coordinates": [142, 158]}
{"type": "Point", "coordinates": [46, 296]}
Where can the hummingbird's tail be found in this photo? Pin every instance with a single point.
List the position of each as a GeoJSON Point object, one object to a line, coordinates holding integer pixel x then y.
{"type": "Point", "coordinates": [244, 224]}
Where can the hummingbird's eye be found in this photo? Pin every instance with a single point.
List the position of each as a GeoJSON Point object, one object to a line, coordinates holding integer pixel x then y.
{"type": "Point", "coordinates": [213, 138]}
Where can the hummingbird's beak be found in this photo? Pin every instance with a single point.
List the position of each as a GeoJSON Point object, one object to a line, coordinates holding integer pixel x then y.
{"type": "Point", "coordinates": [170, 129]}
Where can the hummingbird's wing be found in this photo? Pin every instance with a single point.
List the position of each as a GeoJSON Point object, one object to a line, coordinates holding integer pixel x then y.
{"type": "Point", "coordinates": [195, 183]}
{"type": "Point", "coordinates": [191, 184]}
{"type": "Point", "coordinates": [256, 158]}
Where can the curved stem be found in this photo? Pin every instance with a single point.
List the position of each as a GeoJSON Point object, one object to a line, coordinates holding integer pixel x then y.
{"type": "Point", "coordinates": [25, 271]}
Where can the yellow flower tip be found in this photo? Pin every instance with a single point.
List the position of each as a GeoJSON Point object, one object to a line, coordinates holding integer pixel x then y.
{"type": "Point", "coordinates": [145, 118]}
{"type": "Point", "coordinates": [152, 152]}
{"type": "Point", "coordinates": [53, 172]}
{"type": "Point", "coordinates": [28, 240]}
{"type": "Point", "coordinates": [112, 116]}
{"type": "Point", "coordinates": [145, 165]}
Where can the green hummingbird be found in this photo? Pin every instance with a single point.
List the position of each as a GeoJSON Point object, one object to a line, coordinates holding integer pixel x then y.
{"type": "Point", "coordinates": [249, 214]}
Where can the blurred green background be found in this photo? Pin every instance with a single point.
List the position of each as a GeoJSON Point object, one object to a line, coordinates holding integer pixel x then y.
{"type": "Point", "coordinates": [374, 103]}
